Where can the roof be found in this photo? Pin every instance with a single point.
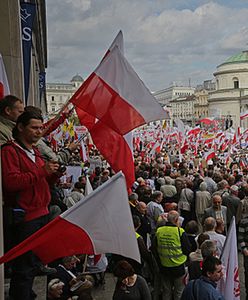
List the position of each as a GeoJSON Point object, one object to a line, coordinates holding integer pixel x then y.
{"type": "Point", "coordinates": [237, 58]}
{"type": "Point", "coordinates": [77, 78]}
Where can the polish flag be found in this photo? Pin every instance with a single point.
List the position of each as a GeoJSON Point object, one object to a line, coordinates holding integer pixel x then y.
{"type": "Point", "coordinates": [229, 285]}
{"type": "Point", "coordinates": [115, 101]}
{"type": "Point", "coordinates": [244, 115]}
{"type": "Point", "coordinates": [4, 85]}
{"type": "Point", "coordinates": [84, 117]}
{"type": "Point", "coordinates": [113, 146]}
{"type": "Point", "coordinates": [116, 96]}
{"type": "Point", "coordinates": [100, 223]}
{"type": "Point", "coordinates": [236, 136]}
{"type": "Point", "coordinates": [207, 121]}
{"type": "Point", "coordinates": [209, 155]}
{"type": "Point", "coordinates": [116, 149]}
{"type": "Point", "coordinates": [224, 146]}
{"type": "Point", "coordinates": [184, 148]}
{"type": "Point", "coordinates": [243, 164]}
{"type": "Point", "coordinates": [156, 148]}
{"type": "Point", "coordinates": [194, 131]}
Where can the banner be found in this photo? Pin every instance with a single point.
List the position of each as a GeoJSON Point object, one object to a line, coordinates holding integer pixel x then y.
{"type": "Point", "coordinates": [27, 19]}
{"type": "Point", "coordinates": [42, 84]}
{"type": "Point", "coordinates": [229, 285]}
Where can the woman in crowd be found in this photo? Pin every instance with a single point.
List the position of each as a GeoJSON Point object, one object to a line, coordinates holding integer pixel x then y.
{"type": "Point", "coordinates": [129, 286]}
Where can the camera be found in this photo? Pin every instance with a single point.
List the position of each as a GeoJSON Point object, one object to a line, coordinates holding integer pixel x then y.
{"type": "Point", "coordinates": [62, 168]}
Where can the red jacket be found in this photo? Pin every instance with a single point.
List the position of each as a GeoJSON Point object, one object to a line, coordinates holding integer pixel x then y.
{"type": "Point", "coordinates": [24, 182]}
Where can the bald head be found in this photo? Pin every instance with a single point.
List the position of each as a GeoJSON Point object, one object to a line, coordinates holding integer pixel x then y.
{"type": "Point", "coordinates": [142, 207]}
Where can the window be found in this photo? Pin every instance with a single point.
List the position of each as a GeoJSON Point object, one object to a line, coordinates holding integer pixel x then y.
{"type": "Point", "coordinates": [235, 83]}
{"type": "Point", "coordinates": [52, 98]}
{"type": "Point", "coordinates": [53, 109]}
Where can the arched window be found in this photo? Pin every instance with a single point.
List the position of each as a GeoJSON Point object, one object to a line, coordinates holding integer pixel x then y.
{"type": "Point", "coordinates": [236, 83]}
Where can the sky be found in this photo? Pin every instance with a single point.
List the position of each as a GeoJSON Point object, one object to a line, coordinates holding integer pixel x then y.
{"type": "Point", "coordinates": [165, 41]}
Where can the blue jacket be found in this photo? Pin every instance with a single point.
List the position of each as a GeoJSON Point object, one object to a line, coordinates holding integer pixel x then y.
{"type": "Point", "coordinates": [201, 289]}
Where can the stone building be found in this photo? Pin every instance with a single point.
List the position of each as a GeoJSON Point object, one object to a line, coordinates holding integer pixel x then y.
{"type": "Point", "coordinates": [201, 104]}
{"type": "Point", "coordinates": [59, 93]}
{"type": "Point", "coordinates": [231, 95]}
{"type": "Point", "coordinates": [173, 92]}
{"type": "Point", "coordinates": [183, 108]}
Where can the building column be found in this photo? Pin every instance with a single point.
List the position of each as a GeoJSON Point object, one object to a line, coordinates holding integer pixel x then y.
{"type": "Point", "coordinates": [10, 46]}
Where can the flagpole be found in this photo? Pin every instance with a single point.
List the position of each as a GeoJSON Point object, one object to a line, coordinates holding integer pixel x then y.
{"type": "Point", "coordinates": [85, 263]}
{"type": "Point", "coordinates": [57, 116]}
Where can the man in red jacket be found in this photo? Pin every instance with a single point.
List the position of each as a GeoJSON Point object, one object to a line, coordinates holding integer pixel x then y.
{"type": "Point", "coordinates": [26, 179]}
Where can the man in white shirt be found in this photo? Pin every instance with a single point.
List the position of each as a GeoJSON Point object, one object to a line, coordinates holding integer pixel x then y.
{"type": "Point", "coordinates": [209, 227]}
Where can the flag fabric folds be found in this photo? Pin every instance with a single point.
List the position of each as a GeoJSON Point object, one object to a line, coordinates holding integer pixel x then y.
{"type": "Point", "coordinates": [114, 94]}
{"type": "Point", "coordinates": [4, 85]}
{"type": "Point", "coordinates": [100, 223]}
{"type": "Point", "coordinates": [110, 103]}
{"type": "Point", "coordinates": [115, 149]}
{"type": "Point", "coordinates": [229, 284]}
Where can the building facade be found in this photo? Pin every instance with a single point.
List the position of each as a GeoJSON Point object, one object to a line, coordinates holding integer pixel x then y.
{"type": "Point", "coordinates": [12, 52]}
{"type": "Point", "coordinates": [201, 104]}
{"type": "Point", "coordinates": [183, 108]}
{"type": "Point", "coordinates": [173, 92]}
{"type": "Point", "coordinates": [231, 95]}
{"type": "Point", "coordinates": [59, 93]}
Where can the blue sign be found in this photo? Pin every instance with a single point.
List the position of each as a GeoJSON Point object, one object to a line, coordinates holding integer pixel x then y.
{"type": "Point", "coordinates": [27, 13]}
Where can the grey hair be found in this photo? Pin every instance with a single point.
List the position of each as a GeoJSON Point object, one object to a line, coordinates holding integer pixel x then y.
{"type": "Point", "coordinates": [172, 216]}
{"type": "Point", "coordinates": [208, 248]}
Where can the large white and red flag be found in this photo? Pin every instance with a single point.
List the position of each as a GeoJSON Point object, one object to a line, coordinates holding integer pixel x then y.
{"type": "Point", "coordinates": [112, 145]}
{"type": "Point", "coordinates": [112, 102]}
{"type": "Point", "coordinates": [116, 96]}
{"type": "Point", "coordinates": [84, 117]}
{"type": "Point", "coordinates": [4, 85]}
{"type": "Point", "coordinates": [229, 284]}
{"type": "Point", "coordinates": [100, 223]}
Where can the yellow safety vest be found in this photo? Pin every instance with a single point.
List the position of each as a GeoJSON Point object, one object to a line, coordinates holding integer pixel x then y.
{"type": "Point", "coordinates": [137, 235]}
{"type": "Point", "coordinates": [169, 246]}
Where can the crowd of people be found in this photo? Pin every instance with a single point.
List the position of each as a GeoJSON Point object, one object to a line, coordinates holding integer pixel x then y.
{"type": "Point", "coordinates": [181, 215]}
